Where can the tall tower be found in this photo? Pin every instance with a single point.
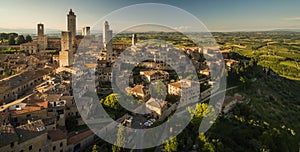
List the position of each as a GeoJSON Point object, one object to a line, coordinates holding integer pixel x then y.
{"type": "Point", "coordinates": [66, 41]}
{"type": "Point", "coordinates": [66, 53]}
{"type": "Point", "coordinates": [134, 39]}
{"type": "Point", "coordinates": [42, 39]}
{"type": "Point", "coordinates": [40, 30]}
{"type": "Point", "coordinates": [71, 19]}
{"type": "Point", "coordinates": [105, 29]}
{"type": "Point", "coordinates": [107, 41]}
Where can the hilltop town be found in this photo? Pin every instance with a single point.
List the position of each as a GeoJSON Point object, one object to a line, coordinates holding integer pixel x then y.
{"type": "Point", "coordinates": [51, 87]}
{"type": "Point", "coordinates": [38, 109]}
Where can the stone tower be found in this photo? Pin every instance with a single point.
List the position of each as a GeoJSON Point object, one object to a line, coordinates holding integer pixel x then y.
{"type": "Point", "coordinates": [42, 39]}
{"type": "Point", "coordinates": [40, 30]}
{"type": "Point", "coordinates": [86, 31]}
{"type": "Point", "coordinates": [107, 41]}
{"type": "Point", "coordinates": [134, 39]}
{"type": "Point", "coordinates": [105, 30]}
{"type": "Point", "coordinates": [71, 23]}
{"type": "Point", "coordinates": [66, 53]}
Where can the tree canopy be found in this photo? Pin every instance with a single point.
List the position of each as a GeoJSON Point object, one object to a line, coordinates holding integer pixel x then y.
{"type": "Point", "coordinates": [11, 40]}
{"type": "Point", "coordinates": [20, 39]}
{"type": "Point", "coordinates": [171, 145]}
{"type": "Point", "coordinates": [28, 38]}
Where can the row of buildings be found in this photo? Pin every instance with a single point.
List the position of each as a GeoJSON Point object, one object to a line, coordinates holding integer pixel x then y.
{"type": "Point", "coordinates": [37, 105]}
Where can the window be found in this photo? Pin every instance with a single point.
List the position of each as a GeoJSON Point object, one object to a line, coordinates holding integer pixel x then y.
{"type": "Point", "coordinates": [61, 144]}
{"type": "Point", "coordinates": [30, 147]}
{"type": "Point", "coordinates": [54, 148]}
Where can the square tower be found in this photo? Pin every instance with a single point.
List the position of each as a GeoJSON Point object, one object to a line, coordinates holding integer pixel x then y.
{"type": "Point", "coordinates": [66, 53]}
{"type": "Point", "coordinates": [42, 39]}
{"type": "Point", "coordinates": [71, 25]}
{"type": "Point", "coordinates": [86, 31]}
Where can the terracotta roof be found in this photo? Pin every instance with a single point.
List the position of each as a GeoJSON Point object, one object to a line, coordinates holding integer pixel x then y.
{"type": "Point", "coordinates": [152, 72]}
{"type": "Point", "coordinates": [57, 135]}
{"type": "Point", "coordinates": [137, 89]}
{"type": "Point", "coordinates": [181, 84]}
{"type": "Point", "coordinates": [156, 103]}
{"type": "Point", "coordinates": [30, 130]}
{"type": "Point", "coordinates": [77, 138]}
{"type": "Point", "coordinates": [26, 109]}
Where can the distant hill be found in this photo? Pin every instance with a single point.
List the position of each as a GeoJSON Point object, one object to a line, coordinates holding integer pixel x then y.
{"type": "Point", "coordinates": [286, 30]}
{"type": "Point", "coordinates": [29, 31]}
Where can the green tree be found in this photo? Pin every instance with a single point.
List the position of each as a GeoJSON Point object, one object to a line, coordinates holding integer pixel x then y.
{"type": "Point", "coordinates": [205, 145]}
{"type": "Point", "coordinates": [95, 148]}
{"type": "Point", "coordinates": [117, 147]}
{"type": "Point", "coordinates": [171, 145]}
{"type": "Point", "coordinates": [13, 34]}
{"type": "Point", "coordinates": [158, 90]}
{"type": "Point", "coordinates": [4, 36]}
{"type": "Point", "coordinates": [111, 101]}
{"type": "Point", "coordinates": [20, 39]}
{"type": "Point", "coordinates": [11, 40]}
{"type": "Point", "coordinates": [28, 38]}
{"type": "Point", "coordinates": [201, 110]}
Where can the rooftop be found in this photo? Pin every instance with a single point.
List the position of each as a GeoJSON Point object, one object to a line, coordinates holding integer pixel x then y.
{"type": "Point", "coordinates": [7, 135]}
{"type": "Point", "coordinates": [58, 134]}
{"type": "Point", "coordinates": [30, 130]}
{"type": "Point", "coordinates": [20, 79]}
{"type": "Point", "coordinates": [183, 84]}
{"type": "Point", "coordinates": [79, 137]}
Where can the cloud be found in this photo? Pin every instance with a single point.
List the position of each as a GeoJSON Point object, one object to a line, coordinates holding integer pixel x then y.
{"type": "Point", "coordinates": [292, 19]}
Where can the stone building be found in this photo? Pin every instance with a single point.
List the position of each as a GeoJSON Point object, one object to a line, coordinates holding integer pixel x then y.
{"type": "Point", "coordinates": [17, 85]}
{"type": "Point", "coordinates": [153, 75]}
{"type": "Point", "coordinates": [31, 136]}
{"type": "Point", "coordinates": [30, 47]}
{"type": "Point", "coordinates": [186, 89]}
{"type": "Point", "coordinates": [156, 106]}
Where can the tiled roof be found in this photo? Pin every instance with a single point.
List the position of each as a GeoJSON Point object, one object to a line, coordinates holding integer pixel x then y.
{"type": "Point", "coordinates": [156, 103]}
{"type": "Point", "coordinates": [77, 138]}
{"type": "Point", "coordinates": [30, 130]}
{"type": "Point", "coordinates": [137, 89]}
{"type": "Point", "coordinates": [57, 135]}
{"type": "Point", "coordinates": [26, 109]}
{"type": "Point", "coordinates": [181, 84]}
{"type": "Point", "coordinates": [152, 72]}
{"type": "Point", "coordinates": [7, 135]}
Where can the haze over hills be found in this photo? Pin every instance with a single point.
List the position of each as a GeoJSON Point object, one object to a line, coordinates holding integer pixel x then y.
{"type": "Point", "coordinates": [57, 32]}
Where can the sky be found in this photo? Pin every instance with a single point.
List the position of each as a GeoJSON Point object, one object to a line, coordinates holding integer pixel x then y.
{"type": "Point", "coordinates": [216, 15]}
